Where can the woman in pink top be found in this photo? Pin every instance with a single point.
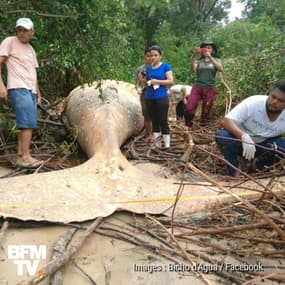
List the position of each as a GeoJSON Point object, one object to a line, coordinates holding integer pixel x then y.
{"type": "Point", "coordinates": [22, 86]}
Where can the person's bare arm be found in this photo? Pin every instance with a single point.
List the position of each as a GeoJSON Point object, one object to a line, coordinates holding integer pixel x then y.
{"type": "Point", "coordinates": [168, 81]}
{"type": "Point", "coordinates": [193, 65]}
{"type": "Point", "coordinates": [3, 89]}
{"type": "Point", "coordinates": [232, 127]}
{"type": "Point", "coordinates": [216, 63]}
{"type": "Point", "coordinates": [39, 96]}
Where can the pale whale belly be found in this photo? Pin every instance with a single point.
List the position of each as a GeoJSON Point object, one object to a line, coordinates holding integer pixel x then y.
{"type": "Point", "coordinates": [105, 114]}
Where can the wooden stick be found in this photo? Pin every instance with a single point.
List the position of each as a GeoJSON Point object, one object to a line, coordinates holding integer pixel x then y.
{"type": "Point", "coordinates": [186, 255]}
{"type": "Point", "coordinates": [245, 202]}
{"type": "Point", "coordinates": [3, 231]}
{"type": "Point", "coordinates": [54, 265]}
{"type": "Point", "coordinates": [219, 230]}
{"type": "Point", "coordinates": [58, 249]}
{"type": "Point", "coordinates": [178, 196]}
{"type": "Point", "coordinates": [261, 278]}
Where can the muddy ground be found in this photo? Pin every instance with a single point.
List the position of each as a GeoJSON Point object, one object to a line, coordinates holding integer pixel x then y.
{"type": "Point", "coordinates": [122, 251]}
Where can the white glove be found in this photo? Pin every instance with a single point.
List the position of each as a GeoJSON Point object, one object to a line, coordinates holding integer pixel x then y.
{"type": "Point", "coordinates": [148, 82]}
{"type": "Point", "coordinates": [248, 146]}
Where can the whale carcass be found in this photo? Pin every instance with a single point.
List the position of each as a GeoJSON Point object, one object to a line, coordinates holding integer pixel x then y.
{"type": "Point", "coordinates": [104, 114]}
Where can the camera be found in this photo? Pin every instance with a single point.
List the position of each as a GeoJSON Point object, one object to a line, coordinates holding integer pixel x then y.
{"type": "Point", "coordinates": [202, 50]}
{"type": "Point", "coordinates": [143, 73]}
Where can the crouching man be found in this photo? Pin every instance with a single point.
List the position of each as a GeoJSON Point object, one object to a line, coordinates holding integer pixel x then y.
{"type": "Point", "coordinates": [178, 95]}
{"type": "Point", "coordinates": [253, 129]}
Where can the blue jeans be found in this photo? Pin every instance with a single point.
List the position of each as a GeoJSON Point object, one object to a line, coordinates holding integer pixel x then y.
{"type": "Point", "coordinates": [24, 103]}
{"type": "Point", "coordinates": [231, 148]}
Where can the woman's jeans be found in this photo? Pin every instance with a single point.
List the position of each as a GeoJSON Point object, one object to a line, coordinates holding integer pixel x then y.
{"type": "Point", "coordinates": [231, 148]}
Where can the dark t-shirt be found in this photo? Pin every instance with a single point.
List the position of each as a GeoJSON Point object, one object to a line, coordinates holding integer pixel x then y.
{"type": "Point", "coordinates": [206, 73]}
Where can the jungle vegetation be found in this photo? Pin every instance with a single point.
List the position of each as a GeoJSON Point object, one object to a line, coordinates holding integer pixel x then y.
{"type": "Point", "coordinates": [85, 40]}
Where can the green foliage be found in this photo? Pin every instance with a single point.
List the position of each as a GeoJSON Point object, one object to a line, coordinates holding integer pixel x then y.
{"type": "Point", "coordinates": [194, 17]}
{"type": "Point", "coordinates": [77, 41]}
{"type": "Point", "coordinates": [86, 40]}
{"type": "Point", "coordinates": [147, 15]}
{"type": "Point", "coordinates": [270, 12]}
{"type": "Point", "coordinates": [252, 57]}
{"type": "Point", "coordinates": [8, 127]}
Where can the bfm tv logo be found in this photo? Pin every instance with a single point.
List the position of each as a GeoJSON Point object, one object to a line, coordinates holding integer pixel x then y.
{"type": "Point", "coordinates": [27, 256]}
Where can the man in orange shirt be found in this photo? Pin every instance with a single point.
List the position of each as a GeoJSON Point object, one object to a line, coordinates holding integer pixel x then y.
{"type": "Point", "coordinates": [22, 86]}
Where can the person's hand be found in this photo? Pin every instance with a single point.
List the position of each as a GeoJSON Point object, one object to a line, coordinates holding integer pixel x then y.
{"type": "Point", "coordinates": [207, 53]}
{"type": "Point", "coordinates": [39, 99]}
{"type": "Point", "coordinates": [196, 51]}
{"type": "Point", "coordinates": [248, 146]}
{"type": "Point", "coordinates": [4, 94]}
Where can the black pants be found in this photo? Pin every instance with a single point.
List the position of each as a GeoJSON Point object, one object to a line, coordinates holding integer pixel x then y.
{"type": "Point", "coordinates": [158, 110]}
{"type": "Point", "coordinates": [180, 110]}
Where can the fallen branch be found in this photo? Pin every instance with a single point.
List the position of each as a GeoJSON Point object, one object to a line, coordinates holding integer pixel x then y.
{"type": "Point", "coordinates": [3, 231]}
{"type": "Point", "coordinates": [220, 230]}
{"type": "Point", "coordinates": [245, 202]}
{"type": "Point", "coordinates": [256, 239]}
{"type": "Point", "coordinates": [58, 249]}
{"type": "Point", "coordinates": [261, 278]}
{"type": "Point", "coordinates": [184, 252]}
{"type": "Point", "coordinates": [54, 265]}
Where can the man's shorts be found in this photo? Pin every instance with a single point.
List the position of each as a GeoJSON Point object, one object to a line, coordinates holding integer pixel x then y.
{"type": "Point", "coordinates": [24, 103]}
